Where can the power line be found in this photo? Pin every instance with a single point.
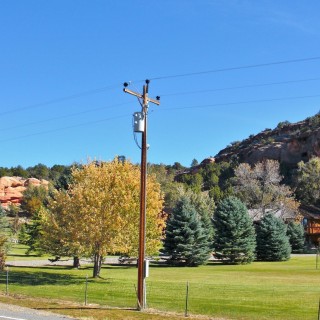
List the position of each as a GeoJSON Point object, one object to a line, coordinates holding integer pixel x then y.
{"type": "Point", "coordinates": [109, 87]}
{"type": "Point", "coordinates": [240, 87]}
{"type": "Point", "coordinates": [268, 64]}
{"type": "Point", "coordinates": [61, 99]}
{"type": "Point", "coordinates": [163, 95]}
{"type": "Point", "coordinates": [64, 128]}
{"type": "Point", "coordinates": [62, 117]}
{"type": "Point", "coordinates": [240, 102]}
{"type": "Point", "coordinates": [165, 109]}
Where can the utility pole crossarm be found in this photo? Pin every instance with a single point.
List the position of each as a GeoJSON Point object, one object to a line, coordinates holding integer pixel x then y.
{"type": "Point", "coordinates": [133, 93]}
{"type": "Point", "coordinates": [143, 96]}
{"type": "Point", "coordinates": [157, 102]}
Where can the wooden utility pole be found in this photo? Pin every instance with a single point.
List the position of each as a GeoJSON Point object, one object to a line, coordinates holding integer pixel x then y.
{"type": "Point", "coordinates": [143, 186]}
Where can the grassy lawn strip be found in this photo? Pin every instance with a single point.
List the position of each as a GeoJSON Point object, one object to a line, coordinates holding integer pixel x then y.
{"type": "Point", "coordinates": [276, 290]}
{"type": "Point", "coordinates": [93, 312]}
{"type": "Point", "coordinates": [18, 252]}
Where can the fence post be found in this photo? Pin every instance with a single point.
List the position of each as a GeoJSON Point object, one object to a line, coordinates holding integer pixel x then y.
{"type": "Point", "coordinates": [7, 282]}
{"type": "Point", "coordinates": [319, 310]}
{"type": "Point", "coordinates": [86, 292]}
{"type": "Point", "coordinates": [187, 300]}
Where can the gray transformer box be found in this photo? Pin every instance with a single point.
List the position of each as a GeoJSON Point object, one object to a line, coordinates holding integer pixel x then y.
{"type": "Point", "coordinates": [138, 122]}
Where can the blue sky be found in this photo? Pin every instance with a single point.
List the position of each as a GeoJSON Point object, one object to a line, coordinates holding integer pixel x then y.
{"type": "Point", "coordinates": [63, 64]}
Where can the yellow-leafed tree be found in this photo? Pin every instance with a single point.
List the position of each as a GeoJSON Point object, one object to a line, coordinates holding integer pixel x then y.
{"type": "Point", "coordinates": [99, 214]}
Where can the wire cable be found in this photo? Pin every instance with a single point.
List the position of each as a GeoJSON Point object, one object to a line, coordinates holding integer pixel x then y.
{"type": "Point", "coordinates": [240, 87]}
{"type": "Point", "coordinates": [61, 99]}
{"type": "Point", "coordinates": [62, 117]}
{"type": "Point", "coordinates": [64, 128]}
{"type": "Point", "coordinates": [102, 89]}
{"type": "Point", "coordinates": [239, 102]}
{"type": "Point", "coordinates": [259, 65]}
{"type": "Point", "coordinates": [164, 109]}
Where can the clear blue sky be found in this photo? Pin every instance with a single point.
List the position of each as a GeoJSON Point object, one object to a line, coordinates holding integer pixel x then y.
{"type": "Point", "coordinates": [53, 52]}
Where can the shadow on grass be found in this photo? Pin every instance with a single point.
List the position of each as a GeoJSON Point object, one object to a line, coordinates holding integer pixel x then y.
{"type": "Point", "coordinates": [163, 264]}
{"type": "Point", "coordinates": [41, 278]}
{"type": "Point", "coordinates": [24, 255]}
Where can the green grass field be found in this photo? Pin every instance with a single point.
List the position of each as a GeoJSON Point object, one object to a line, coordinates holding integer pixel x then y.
{"type": "Point", "coordinates": [18, 252]}
{"type": "Point", "coordinates": [274, 290]}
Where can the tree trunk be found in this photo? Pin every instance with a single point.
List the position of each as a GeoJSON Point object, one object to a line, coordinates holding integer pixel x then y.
{"type": "Point", "coordinates": [76, 262]}
{"type": "Point", "coordinates": [97, 265]}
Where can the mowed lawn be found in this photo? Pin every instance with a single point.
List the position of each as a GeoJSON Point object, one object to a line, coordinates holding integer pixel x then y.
{"type": "Point", "coordinates": [273, 290]}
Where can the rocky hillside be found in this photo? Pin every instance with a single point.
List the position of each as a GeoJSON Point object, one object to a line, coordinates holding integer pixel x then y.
{"type": "Point", "coordinates": [287, 143]}
{"type": "Point", "coordinates": [11, 189]}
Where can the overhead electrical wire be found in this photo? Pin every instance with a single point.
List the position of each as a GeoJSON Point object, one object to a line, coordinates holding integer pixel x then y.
{"type": "Point", "coordinates": [239, 102]}
{"type": "Point", "coordinates": [240, 87]}
{"type": "Point", "coordinates": [163, 95]}
{"type": "Point", "coordinates": [64, 128]}
{"type": "Point", "coordinates": [259, 65]}
{"type": "Point", "coordinates": [109, 87]}
{"type": "Point", "coordinates": [62, 117]}
{"type": "Point", "coordinates": [61, 99]}
{"type": "Point", "coordinates": [164, 109]}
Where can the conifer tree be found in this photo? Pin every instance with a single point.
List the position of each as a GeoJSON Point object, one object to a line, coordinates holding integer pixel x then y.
{"type": "Point", "coordinates": [186, 243]}
{"type": "Point", "coordinates": [272, 240]}
{"type": "Point", "coordinates": [295, 232]}
{"type": "Point", "coordinates": [235, 238]}
{"type": "Point", "coordinates": [3, 237]}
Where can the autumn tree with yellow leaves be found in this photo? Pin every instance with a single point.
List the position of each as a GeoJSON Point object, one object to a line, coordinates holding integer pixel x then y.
{"type": "Point", "coordinates": [99, 213]}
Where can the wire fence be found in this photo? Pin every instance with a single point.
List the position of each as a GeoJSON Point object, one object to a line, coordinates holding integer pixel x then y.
{"type": "Point", "coordinates": [252, 301]}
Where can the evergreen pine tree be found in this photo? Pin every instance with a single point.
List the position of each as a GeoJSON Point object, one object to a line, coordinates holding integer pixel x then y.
{"type": "Point", "coordinates": [186, 241]}
{"type": "Point", "coordinates": [4, 226]}
{"type": "Point", "coordinates": [235, 238]}
{"type": "Point", "coordinates": [272, 240]}
{"type": "Point", "coordinates": [295, 232]}
{"type": "Point", "coordinates": [33, 232]}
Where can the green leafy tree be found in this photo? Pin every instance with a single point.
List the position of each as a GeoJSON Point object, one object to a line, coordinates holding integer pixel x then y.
{"type": "Point", "coordinates": [34, 232]}
{"type": "Point", "coordinates": [272, 240]}
{"type": "Point", "coordinates": [186, 242]}
{"type": "Point", "coordinates": [19, 171]}
{"type": "Point", "coordinates": [295, 232]}
{"type": "Point", "coordinates": [13, 211]}
{"type": "Point", "coordinates": [39, 171]}
{"type": "Point", "coordinates": [4, 225]}
{"type": "Point", "coordinates": [193, 181]}
{"type": "Point", "coordinates": [235, 238]}
{"type": "Point", "coordinates": [308, 181]}
{"type": "Point", "coordinates": [98, 213]}
{"type": "Point", "coordinates": [169, 188]}
{"type": "Point", "coordinates": [178, 166]}
{"type": "Point", "coordinates": [34, 197]}
{"type": "Point", "coordinates": [5, 172]}
{"type": "Point", "coordinates": [23, 236]}
{"type": "Point", "coordinates": [194, 162]}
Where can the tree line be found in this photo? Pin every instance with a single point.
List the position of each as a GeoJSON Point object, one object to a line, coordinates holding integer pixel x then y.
{"type": "Point", "coordinates": [227, 209]}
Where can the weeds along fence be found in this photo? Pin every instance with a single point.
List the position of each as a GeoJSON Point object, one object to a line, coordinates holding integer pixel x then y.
{"type": "Point", "coordinates": [252, 301]}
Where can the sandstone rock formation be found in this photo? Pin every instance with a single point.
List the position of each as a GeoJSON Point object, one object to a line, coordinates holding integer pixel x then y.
{"type": "Point", "coordinates": [289, 144]}
{"type": "Point", "coordinates": [12, 188]}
